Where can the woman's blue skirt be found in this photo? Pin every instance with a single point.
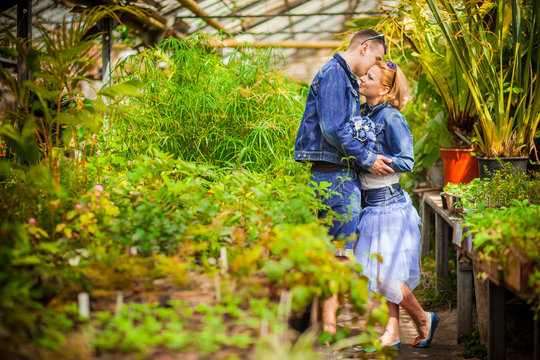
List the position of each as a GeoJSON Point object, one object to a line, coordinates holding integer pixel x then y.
{"type": "Point", "coordinates": [388, 246]}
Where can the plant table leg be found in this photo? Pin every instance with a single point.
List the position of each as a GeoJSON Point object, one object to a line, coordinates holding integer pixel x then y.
{"type": "Point", "coordinates": [426, 226]}
{"type": "Point", "coordinates": [537, 339]}
{"type": "Point", "coordinates": [464, 296]}
{"type": "Point", "coordinates": [496, 322]}
{"type": "Point", "coordinates": [441, 252]}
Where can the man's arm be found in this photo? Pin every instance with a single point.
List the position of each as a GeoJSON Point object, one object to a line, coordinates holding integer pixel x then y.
{"type": "Point", "coordinates": [331, 107]}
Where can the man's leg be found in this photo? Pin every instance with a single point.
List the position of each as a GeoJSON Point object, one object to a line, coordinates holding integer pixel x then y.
{"type": "Point", "coordinates": [344, 201]}
{"type": "Point", "coordinates": [329, 314]}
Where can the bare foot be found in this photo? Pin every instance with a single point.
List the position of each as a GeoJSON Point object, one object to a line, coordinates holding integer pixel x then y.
{"type": "Point", "coordinates": [389, 337]}
{"type": "Point", "coordinates": [425, 327]}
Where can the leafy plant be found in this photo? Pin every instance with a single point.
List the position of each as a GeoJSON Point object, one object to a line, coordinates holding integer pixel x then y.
{"type": "Point", "coordinates": [498, 231]}
{"type": "Point", "coordinates": [435, 137]}
{"type": "Point", "coordinates": [507, 98]}
{"type": "Point", "coordinates": [474, 349]}
{"type": "Point", "coordinates": [427, 292]}
{"type": "Point", "coordinates": [506, 185]}
{"type": "Point", "coordinates": [53, 116]}
{"type": "Point", "coordinates": [203, 107]}
{"type": "Point", "coordinates": [421, 41]}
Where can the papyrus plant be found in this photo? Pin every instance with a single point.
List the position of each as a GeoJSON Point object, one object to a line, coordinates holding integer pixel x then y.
{"type": "Point", "coordinates": [506, 94]}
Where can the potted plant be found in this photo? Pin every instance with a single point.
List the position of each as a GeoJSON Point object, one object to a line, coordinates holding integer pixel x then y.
{"type": "Point", "coordinates": [507, 98]}
{"type": "Point", "coordinates": [421, 39]}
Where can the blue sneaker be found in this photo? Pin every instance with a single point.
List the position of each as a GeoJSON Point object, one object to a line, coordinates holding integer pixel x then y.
{"type": "Point", "coordinates": [396, 346]}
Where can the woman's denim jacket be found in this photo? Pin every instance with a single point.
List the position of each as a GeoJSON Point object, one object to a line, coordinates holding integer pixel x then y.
{"type": "Point", "coordinates": [394, 138]}
{"type": "Point", "coordinates": [326, 132]}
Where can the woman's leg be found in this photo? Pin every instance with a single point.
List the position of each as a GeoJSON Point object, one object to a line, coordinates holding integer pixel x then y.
{"type": "Point", "coordinates": [421, 319]}
{"type": "Point", "coordinates": [391, 331]}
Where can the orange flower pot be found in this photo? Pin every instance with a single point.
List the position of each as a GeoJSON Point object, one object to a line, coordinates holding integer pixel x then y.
{"type": "Point", "coordinates": [459, 166]}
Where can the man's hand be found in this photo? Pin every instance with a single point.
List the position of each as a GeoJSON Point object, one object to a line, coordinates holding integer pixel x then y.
{"type": "Point", "coordinates": [379, 167]}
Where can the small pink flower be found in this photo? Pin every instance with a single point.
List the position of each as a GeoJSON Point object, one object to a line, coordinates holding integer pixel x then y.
{"type": "Point", "coordinates": [32, 221]}
{"type": "Point", "coordinates": [98, 187]}
{"type": "Point", "coordinates": [78, 207]}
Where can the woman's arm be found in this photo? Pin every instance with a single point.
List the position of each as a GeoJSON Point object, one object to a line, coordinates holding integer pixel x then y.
{"type": "Point", "coordinates": [399, 143]}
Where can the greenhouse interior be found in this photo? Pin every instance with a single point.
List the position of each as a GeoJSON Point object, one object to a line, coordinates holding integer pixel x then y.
{"type": "Point", "coordinates": [289, 179]}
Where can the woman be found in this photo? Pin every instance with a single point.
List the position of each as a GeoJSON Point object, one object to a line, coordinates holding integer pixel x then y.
{"type": "Point", "coordinates": [389, 223]}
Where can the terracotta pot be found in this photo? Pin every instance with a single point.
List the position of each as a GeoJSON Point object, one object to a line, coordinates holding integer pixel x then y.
{"type": "Point", "coordinates": [459, 165]}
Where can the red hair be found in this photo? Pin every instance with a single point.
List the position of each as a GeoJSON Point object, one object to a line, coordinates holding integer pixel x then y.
{"type": "Point", "coordinates": [393, 78]}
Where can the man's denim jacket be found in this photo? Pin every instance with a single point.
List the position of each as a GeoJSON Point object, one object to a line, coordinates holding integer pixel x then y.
{"type": "Point", "coordinates": [394, 138]}
{"type": "Point", "coordinates": [326, 130]}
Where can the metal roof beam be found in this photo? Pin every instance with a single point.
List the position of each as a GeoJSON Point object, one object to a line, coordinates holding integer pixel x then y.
{"type": "Point", "coordinates": [291, 23]}
{"type": "Point", "coordinates": [230, 43]}
{"type": "Point", "coordinates": [196, 9]}
{"type": "Point", "coordinates": [304, 18]}
{"type": "Point", "coordinates": [281, 14]}
{"type": "Point", "coordinates": [280, 9]}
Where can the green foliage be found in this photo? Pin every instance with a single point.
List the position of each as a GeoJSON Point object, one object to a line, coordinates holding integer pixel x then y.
{"type": "Point", "coordinates": [203, 107]}
{"type": "Point", "coordinates": [31, 270]}
{"type": "Point", "coordinates": [474, 349]}
{"type": "Point", "coordinates": [53, 116]}
{"type": "Point", "coordinates": [87, 207]}
{"type": "Point", "coordinates": [435, 137]}
{"type": "Point", "coordinates": [197, 209]}
{"type": "Point", "coordinates": [506, 185]}
{"type": "Point", "coordinates": [427, 292]}
{"type": "Point", "coordinates": [503, 214]}
{"type": "Point", "coordinates": [497, 230]}
{"type": "Point", "coordinates": [160, 205]}
{"type": "Point", "coordinates": [505, 89]}
{"type": "Point", "coordinates": [421, 41]}
{"type": "Point", "coordinates": [509, 230]}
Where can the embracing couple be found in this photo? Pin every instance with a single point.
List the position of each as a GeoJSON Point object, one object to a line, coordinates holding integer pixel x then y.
{"type": "Point", "coordinates": [360, 149]}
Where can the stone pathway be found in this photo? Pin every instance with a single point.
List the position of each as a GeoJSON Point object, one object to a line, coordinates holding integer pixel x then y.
{"type": "Point", "coordinates": [443, 347]}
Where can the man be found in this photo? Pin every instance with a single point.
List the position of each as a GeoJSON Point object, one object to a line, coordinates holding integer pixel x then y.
{"type": "Point", "coordinates": [325, 139]}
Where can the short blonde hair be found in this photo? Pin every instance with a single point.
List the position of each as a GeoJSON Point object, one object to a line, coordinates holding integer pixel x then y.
{"type": "Point", "coordinates": [398, 95]}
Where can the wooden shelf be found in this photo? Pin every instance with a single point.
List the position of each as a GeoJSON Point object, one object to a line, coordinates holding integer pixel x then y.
{"type": "Point", "coordinates": [449, 231]}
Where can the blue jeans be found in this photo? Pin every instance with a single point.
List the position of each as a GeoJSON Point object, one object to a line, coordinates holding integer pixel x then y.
{"type": "Point", "coordinates": [344, 200]}
{"type": "Point", "coordinates": [384, 196]}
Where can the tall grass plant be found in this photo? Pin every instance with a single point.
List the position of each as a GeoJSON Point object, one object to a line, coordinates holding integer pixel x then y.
{"type": "Point", "coordinates": [204, 107]}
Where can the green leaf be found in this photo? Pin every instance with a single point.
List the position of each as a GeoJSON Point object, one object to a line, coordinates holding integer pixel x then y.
{"type": "Point", "coordinates": [119, 160]}
{"type": "Point", "coordinates": [27, 260]}
{"type": "Point", "coordinates": [7, 52]}
{"type": "Point", "coordinates": [33, 60]}
{"type": "Point", "coordinates": [129, 88]}
{"type": "Point", "coordinates": [22, 142]}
